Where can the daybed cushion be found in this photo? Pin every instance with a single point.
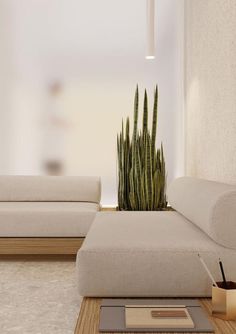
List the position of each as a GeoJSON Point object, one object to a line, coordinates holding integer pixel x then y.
{"type": "Point", "coordinates": [50, 188]}
{"type": "Point", "coordinates": [46, 219]}
{"type": "Point", "coordinates": [210, 205]}
{"type": "Point", "coordinates": [145, 254]}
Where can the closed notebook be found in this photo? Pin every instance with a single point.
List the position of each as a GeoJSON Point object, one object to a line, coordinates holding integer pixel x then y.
{"type": "Point", "coordinates": [157, 316]}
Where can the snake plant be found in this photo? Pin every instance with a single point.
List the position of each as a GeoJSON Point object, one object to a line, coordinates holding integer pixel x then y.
{"type": "Point", "coordinates": [141, 166]}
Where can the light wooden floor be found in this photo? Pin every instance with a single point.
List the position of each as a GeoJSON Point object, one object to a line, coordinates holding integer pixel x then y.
{"type": "Point", "coordinates": [89, 318]}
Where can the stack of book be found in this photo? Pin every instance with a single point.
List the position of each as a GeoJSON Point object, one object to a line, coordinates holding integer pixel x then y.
{"type": "Point", "coordinates": [157, 316]}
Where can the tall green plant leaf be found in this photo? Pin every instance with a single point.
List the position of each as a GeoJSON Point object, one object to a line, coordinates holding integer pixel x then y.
{"type": "Point", "coordinates": [145, 113]}
{"type": "Point", "coordinates": [141, 167]}
{"type": "Point", "coordinates": [154, 121]}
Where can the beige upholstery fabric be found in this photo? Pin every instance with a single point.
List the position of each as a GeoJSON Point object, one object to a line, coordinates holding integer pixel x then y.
{"type": "Point", "coordinates": [210, 205]}
{"type": "Point", "coordinates": [46, 219]}
{"type": "Point", "coordinates": [50, 188]}
{"type": "Point", "coordinates": [148, 254]}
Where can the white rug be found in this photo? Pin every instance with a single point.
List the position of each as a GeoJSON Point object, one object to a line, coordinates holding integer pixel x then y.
{"type": "Point", "coordinates": [38, 297]}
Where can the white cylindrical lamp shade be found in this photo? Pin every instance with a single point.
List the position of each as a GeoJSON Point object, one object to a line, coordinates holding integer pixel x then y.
{"type": "Point", "coordinates": [150, 53]}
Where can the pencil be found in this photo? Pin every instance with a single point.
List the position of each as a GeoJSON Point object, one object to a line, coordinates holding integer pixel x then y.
{"type": "Point", "coordinates": [207, 270]}
{"type": "Point", "coordinates": [222, 272]}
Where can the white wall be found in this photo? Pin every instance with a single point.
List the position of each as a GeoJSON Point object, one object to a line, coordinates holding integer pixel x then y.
{"type": "Point", "coordinates": [210, 89]}
{"type": "Point", "coordinates": [96, 49]}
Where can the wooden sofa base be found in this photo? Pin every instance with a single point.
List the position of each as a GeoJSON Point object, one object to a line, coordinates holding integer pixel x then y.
{"type": "Point", "coordinates": [40, 245]}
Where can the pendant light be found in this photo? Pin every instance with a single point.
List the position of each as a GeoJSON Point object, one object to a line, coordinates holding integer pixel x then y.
{"type": "Point", "coordinates": [150, 53]}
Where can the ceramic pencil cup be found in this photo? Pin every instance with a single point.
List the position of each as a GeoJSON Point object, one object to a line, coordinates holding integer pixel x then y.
{"type": "Point", "coordinates": [224, 300]}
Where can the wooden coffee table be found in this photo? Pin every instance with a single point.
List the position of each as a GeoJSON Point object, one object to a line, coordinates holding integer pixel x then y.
{"type": "Point", "coordinates": [88, 319]}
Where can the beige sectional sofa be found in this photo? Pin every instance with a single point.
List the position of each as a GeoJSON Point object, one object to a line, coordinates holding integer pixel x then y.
{"type": "Point", "coordinates": [143, 254]}
{"type": "Point", "coordinates": [48, 206]}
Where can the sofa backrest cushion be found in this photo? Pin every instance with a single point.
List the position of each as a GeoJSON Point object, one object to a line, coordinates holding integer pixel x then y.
{"type": "Point", "coordinates": [36, 188]}
{"type": "Point", "coordinates": [210, 205]}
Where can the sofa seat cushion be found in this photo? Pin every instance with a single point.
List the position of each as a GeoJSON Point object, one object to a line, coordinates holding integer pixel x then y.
{"type": "Point", "coordinates": [144, 254]}
{"type": "Point", "coordinates": [46, 219]}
